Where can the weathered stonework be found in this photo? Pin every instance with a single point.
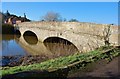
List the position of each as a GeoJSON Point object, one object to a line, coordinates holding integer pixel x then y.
{"type": "Point", "coordinates": [85, 36]}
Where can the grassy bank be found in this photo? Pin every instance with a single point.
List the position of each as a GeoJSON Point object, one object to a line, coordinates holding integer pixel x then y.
{"type": "Point", "coordinates": [71, 62]}
{"type": "Point", "coordinates": [7, 29]}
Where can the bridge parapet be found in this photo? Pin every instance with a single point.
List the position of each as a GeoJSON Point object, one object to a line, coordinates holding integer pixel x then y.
{"type": "Point", "coordinates": [71, 26]}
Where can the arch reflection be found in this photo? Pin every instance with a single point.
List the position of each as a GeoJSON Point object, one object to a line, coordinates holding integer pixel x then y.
{"type": "Point", "coordinates": [30, 37]}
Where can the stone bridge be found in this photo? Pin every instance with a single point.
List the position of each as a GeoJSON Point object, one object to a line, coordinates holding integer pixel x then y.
{"type": "Point", "coordinates": [85, 36]}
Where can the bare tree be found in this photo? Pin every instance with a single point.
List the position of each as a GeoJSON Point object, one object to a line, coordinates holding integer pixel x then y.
{"type": "Point", "coordinates": [107, 33]}
{"type": "Point", "coordinates": [52, 16]}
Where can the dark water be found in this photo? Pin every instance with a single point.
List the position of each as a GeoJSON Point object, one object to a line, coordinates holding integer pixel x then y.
{"type": "Point", "coordinates": [29, 45]}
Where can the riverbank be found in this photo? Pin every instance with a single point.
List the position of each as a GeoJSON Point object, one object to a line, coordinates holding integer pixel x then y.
{"type": "Point", "coordinates": [17, 60]}
{"type": "Point", "coordinates": [61, 66]}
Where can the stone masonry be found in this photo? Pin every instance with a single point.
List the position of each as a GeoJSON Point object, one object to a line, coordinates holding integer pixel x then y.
{"type": "Point", "coordinates": [85, 36]}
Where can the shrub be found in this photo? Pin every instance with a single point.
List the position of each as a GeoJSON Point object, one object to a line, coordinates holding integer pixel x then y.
{"type": "Point", "coordinates": [7, 29]}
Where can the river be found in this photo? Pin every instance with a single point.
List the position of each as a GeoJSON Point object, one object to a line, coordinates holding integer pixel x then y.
{"type": "Point", "coordinates": [13, 45]}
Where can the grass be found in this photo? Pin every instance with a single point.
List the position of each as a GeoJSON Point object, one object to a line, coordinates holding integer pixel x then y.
{"type": "Point", "coordinates": [67, 61]}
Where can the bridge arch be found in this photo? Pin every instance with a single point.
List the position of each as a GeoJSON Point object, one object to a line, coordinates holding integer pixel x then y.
{"type": "Point", "coordinates": [27, 37]}
{"type": "Point", "coordinates": [55, 39]}
{"type": "Point", "coordinates": [18, 33]}
{"type": "Point", "coordinates": [62, 44]}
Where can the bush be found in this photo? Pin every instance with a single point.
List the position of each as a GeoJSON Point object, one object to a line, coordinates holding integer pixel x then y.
{"type": "Point", "coordinates": [7, 29]}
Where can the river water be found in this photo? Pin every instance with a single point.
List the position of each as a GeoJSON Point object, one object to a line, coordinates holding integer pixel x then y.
{"type": "Point", "coordinates": [17, 50]}
{"type": "Point", "coordinates": [29, 45]}
{"type": "Point", "coordinates": [10, 47]}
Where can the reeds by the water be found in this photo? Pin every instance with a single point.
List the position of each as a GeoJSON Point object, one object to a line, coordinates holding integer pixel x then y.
{"type": "Point", "coordinates": [61, 48]}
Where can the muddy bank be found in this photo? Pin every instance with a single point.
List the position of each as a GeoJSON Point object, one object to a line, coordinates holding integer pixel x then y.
{"type": "Point", "coordinates": [21, 60]}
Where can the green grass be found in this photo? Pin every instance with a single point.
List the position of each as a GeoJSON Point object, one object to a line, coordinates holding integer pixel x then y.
{"type": "Point", "coordinates": [57, 63]}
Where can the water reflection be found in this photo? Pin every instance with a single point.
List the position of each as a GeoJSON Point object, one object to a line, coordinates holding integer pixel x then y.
{"type": "Point", "coordinates": [29, 45]}
{"type": "Point", "coordinates": [7, 37]}
{"type": "Point", "coordinates": [10, 47]}
{"type": "Point", "coordinates": [30, 37]}
{"type": "Point", "coordinates": [33, 49]}
{"type": "Point", "coordinates": [18, 34]}
{"type": "Point", "coordinates": [32, 40]}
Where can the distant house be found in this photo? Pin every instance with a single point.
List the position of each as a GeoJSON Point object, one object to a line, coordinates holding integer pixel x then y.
{"type": "Point", "coordinates": [13, 19]}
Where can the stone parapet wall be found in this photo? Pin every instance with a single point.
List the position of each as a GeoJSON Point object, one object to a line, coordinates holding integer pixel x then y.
{"type": "Point", "coordinates": [77, 27]}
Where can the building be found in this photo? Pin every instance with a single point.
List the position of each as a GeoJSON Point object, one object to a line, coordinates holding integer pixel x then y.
{"type": "Point", "coordinates": [13, 19]}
